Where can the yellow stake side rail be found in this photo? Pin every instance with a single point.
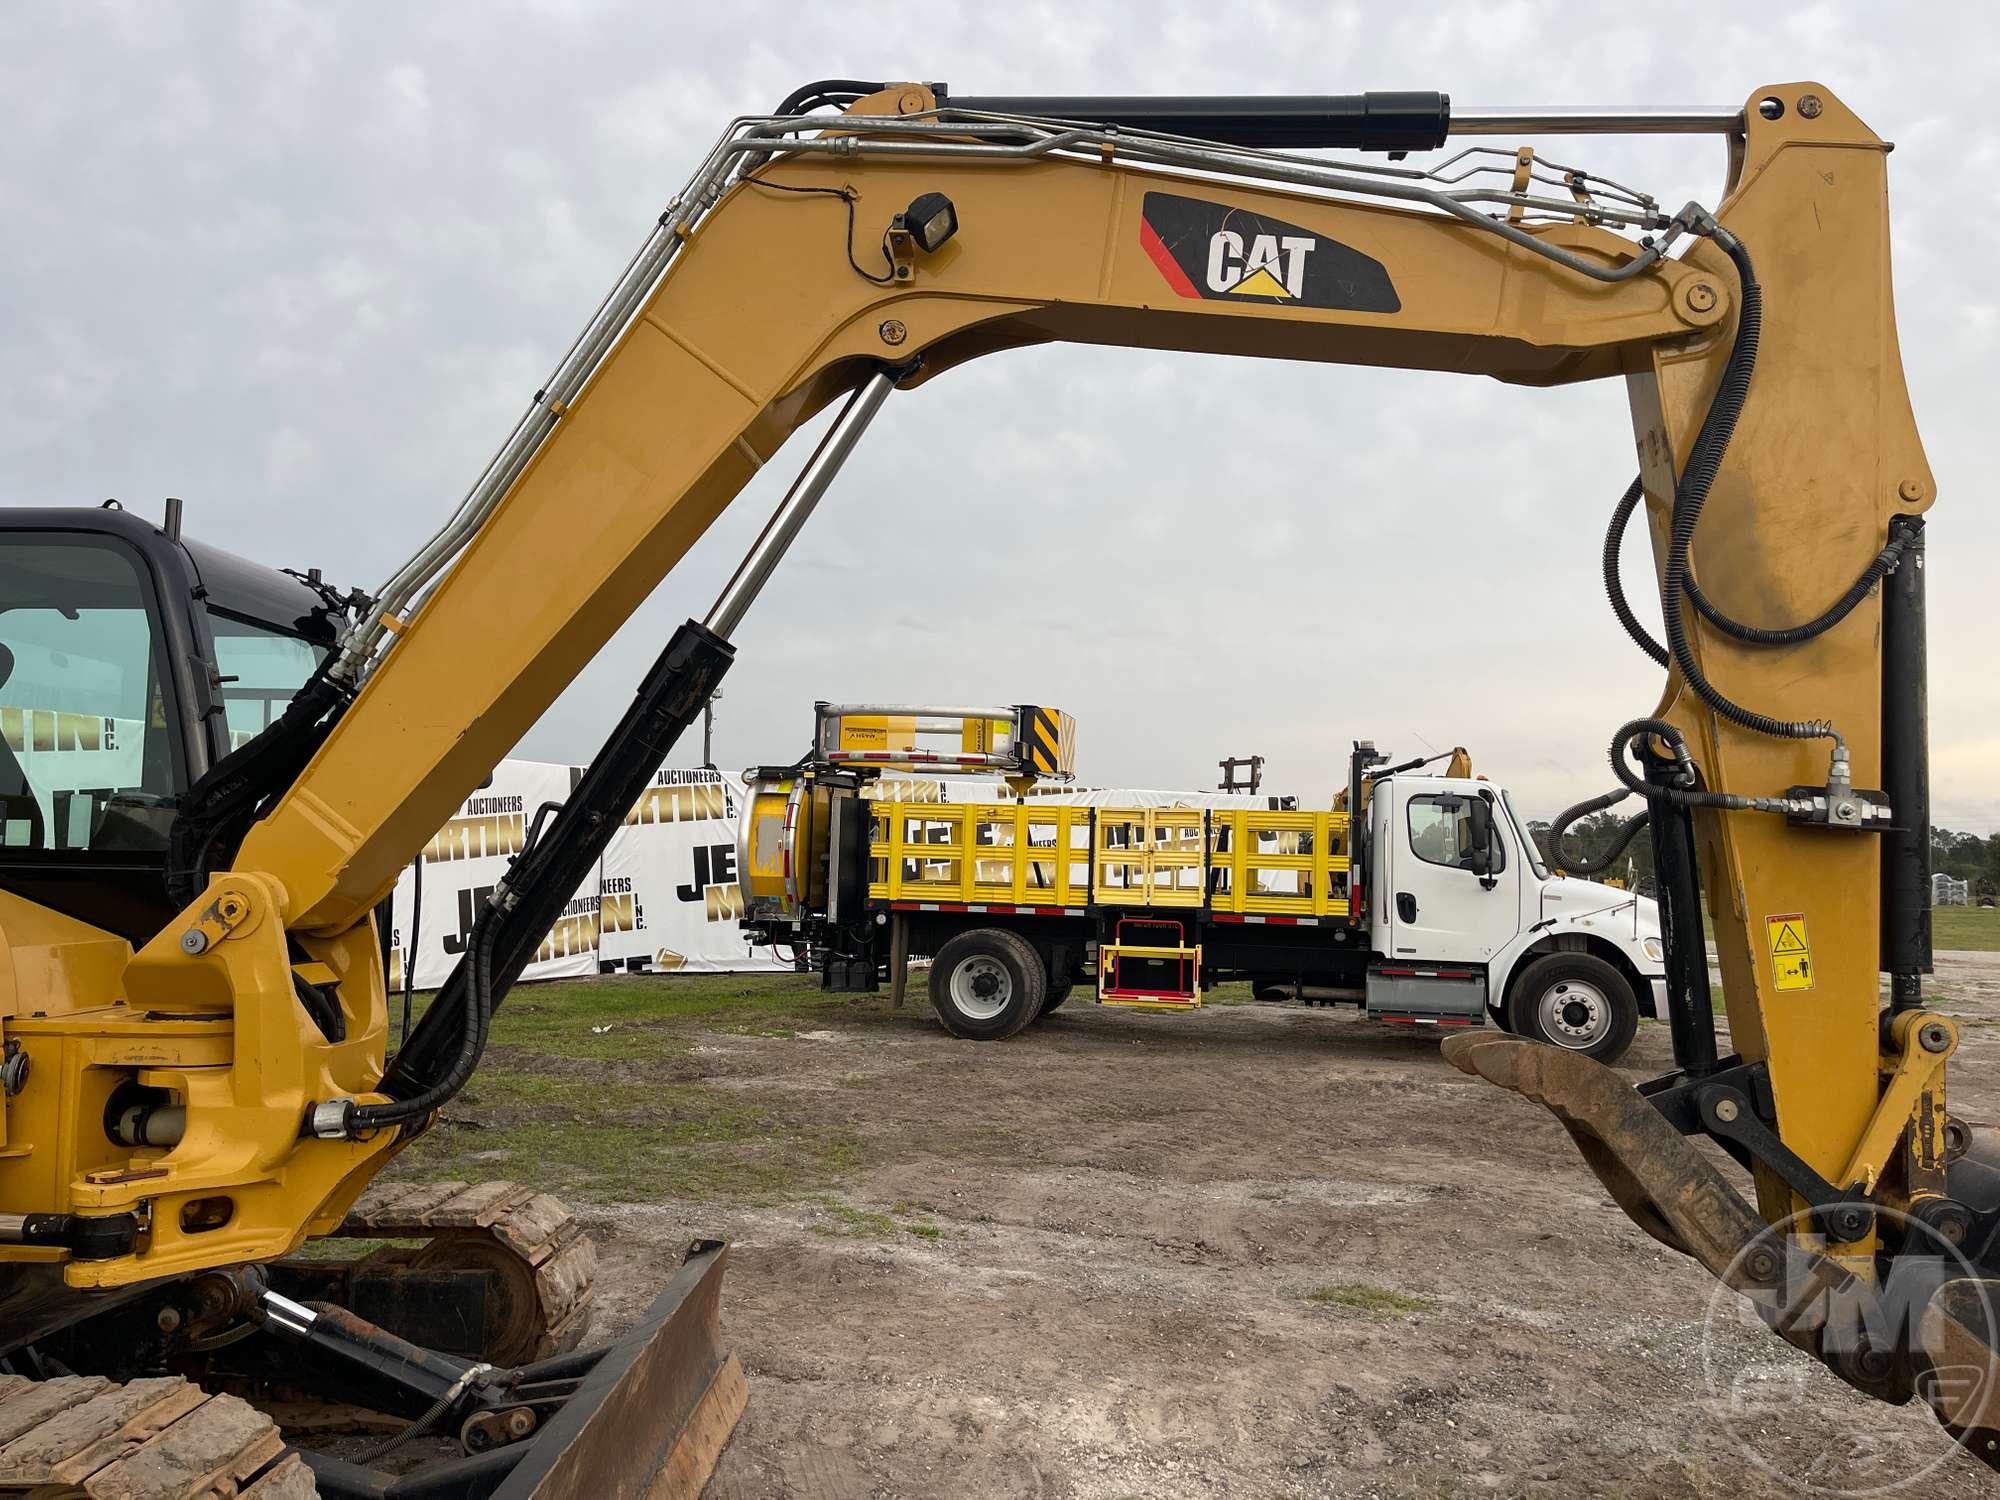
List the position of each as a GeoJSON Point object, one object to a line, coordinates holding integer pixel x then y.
{"type": "Point", "coordinates": [1234, 861]}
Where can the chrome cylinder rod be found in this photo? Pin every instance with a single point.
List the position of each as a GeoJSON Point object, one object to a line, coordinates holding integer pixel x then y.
{"type": "Point", "coordinates": [783, 528]}
{"type": "Point", "coordinates": [1543, 119]}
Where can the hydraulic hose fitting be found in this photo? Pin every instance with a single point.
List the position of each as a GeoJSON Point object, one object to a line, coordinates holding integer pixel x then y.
{"type": "Point", "coordinates": [330, 1120]}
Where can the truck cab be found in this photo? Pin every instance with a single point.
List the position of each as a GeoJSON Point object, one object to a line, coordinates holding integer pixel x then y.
{"type": "Point", "coordinates": [1459, 933]}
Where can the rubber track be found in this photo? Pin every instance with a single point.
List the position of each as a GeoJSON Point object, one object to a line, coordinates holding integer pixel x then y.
{"type": "Point", "coordinates": [160, 1439]}
{"type": "Point", "coordinates": [532, 1227]}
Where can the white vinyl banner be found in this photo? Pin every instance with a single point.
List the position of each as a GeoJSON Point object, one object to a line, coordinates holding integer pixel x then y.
{"type": "Point", "coordinates": [676, 859]}
{"type": "Point", "coordinates": [63, 754]}
{"type": "Point", "coordinates": [665, 895]}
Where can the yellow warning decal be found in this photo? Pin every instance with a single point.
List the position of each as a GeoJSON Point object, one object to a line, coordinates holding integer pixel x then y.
{"type": "Point", "coordinates": [1791, 951]}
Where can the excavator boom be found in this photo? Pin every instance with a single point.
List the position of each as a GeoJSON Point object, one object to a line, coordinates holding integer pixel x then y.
{"type": "Point", "coordinates": [817, 257]}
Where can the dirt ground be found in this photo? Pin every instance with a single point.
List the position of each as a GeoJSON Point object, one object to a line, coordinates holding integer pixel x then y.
{"type": "Point", "coordinates": [1251, 1251]}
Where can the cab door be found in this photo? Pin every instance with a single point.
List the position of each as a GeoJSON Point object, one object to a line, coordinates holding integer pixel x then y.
{"type": "Point", "coordinates": [1441, 908]}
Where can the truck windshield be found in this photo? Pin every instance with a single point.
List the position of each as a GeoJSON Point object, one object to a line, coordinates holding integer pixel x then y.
{"type": "Point", "coordinates": [1528, 845]}
{"type": "Point", "coordinates": [262, 669]}
{"type": "Point", "coordinates": [86, 755]}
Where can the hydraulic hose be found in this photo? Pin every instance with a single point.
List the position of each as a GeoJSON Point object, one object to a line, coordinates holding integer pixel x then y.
{"type": "Point", "coordinates": [839, 92]}
{"type": "Point", "coordinates": [1792, 635]}
{"type": "Point", "coordinates": [472, 1036]}
{"type": "Point", "coordinates": [1614, 584]}
{"type": "Point", "coordinates": [1692, 493]}
{"type": "Point", "coordinates": [1688, 793]}
{"type": "Point", "coordinates": [1884, 563]}
{"type": "Point", "coordinates": [1627, 831]}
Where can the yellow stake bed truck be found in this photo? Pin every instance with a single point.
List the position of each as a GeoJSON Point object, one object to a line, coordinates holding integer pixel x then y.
{"type": "Point", "coordinates": [1433, 907]}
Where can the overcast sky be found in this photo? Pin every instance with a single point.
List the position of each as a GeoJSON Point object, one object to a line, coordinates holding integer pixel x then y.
{"type": "Point", "coordinates": [303, 264]}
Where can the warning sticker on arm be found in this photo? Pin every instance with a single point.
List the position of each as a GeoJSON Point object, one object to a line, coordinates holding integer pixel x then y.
{"type": "Point", "coordinates": [1791, 951]}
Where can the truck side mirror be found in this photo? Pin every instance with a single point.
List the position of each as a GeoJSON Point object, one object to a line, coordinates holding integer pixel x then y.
{"type": "Point", "coordinates": [1479, 814]}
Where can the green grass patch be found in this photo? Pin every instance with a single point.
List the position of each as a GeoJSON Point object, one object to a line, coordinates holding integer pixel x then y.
{"type": "Point", "coordinates": [604, 1138]}
{"type": "Point", "coordinates": [1966, 929]}
{"type": "Point", "coordinates": [1376, 1301]}
{"type": "Point", "coordinates": [333, 1247]}
{"type": "Point", "coordinates": [1954, 929]}
{"type": "Point", "coordinates": [841, 1221]}
{"type": "Point", "coordinates": [648, 1016]}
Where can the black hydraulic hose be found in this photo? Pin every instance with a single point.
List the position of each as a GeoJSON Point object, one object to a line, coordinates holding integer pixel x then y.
{"type": "Point", "coordinates": [1692, 493]}
{"type": "Point", "coordinates": [472, 1035]}
{"type": "Point", "coordinates": [839, 92]}
{"type": "Point", "coordinates": [1792, 635]}
{"type": "Point", "coordinates": [1614, 584]}
{"type": "Point", "coordinates": [1627, 831]}
{"type": "Point", "coordinates": [1883, 564]}
{"type": "Point", "coordinates": [1688, 793]}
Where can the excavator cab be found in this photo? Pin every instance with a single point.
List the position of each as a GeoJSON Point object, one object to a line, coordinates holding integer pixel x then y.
{"type": "Point", "coordinates": [131, 660]}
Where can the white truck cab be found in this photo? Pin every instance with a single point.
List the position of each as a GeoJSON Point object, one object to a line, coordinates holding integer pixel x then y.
{"type": "Point", "coordinates": [1456, 937]}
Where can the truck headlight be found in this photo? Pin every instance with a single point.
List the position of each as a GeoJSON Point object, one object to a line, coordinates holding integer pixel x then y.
{"type": "Point", "coordinates": [1656, 951]}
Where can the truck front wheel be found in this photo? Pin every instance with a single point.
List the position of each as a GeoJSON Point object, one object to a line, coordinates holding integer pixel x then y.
{"type": "Point", "coordinates": [987, 984]}
{"type": "Point", "coordinates": [1576, 1002]}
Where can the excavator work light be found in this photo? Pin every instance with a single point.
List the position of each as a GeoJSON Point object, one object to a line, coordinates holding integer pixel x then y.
{"type": "Point", "coordinates": [930, 220]}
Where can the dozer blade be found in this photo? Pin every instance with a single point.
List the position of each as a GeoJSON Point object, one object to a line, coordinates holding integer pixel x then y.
{"type": "Point", "coordinates": [653, 1415]}
{"type": "Point", "coordinates": [648, 1416]}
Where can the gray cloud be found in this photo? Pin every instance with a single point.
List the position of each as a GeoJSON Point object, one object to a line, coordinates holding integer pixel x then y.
{"type": "Point", "coordinates": [303, 265]}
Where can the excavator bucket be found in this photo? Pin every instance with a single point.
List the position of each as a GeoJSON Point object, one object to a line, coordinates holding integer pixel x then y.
{"type": "Point", "coordinates": [1932, 1329]}
{"type": "Point", "coordinates": [1668, 1188]}
{"type": "Point", "coordinates": [654, 1413]}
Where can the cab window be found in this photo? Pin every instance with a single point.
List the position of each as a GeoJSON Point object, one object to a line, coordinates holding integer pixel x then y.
{"type": "Point", "coordinates": [1441, 832]}
{"type": "Point", "coordinates": [261, 670]}
{"type": "Point", "coordinates": [87, 757]}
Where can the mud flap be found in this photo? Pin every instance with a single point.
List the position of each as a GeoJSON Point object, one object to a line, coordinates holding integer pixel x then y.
{"type": "Point", "coordinates": [653, 1415]}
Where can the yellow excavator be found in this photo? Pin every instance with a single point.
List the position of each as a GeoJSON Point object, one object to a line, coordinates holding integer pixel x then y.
{"type": "Point", "coordinates": [192, 1006]}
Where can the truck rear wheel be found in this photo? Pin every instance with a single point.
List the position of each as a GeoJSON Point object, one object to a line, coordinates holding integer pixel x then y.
{"type": "Point", "coordinates": [1576, 1002]}
{"type": "Point", "coordinates": [987, 984]}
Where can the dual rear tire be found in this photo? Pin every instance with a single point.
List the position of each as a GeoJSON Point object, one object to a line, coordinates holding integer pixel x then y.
{"type": "Point", "coordinates": [987, 984]}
